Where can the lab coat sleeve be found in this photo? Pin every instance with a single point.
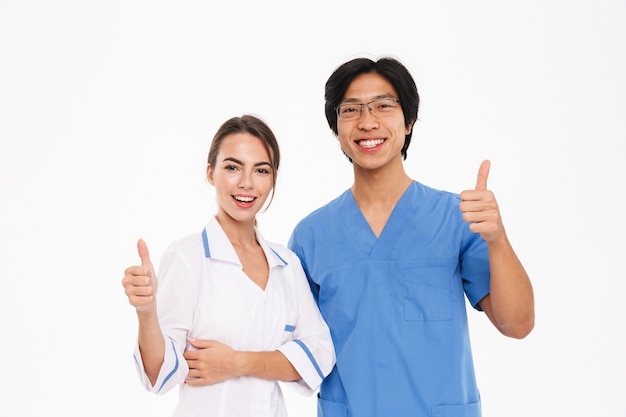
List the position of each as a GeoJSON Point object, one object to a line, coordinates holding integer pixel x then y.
{"type": "Point", "coordinates": [311, 350]}
{"type": "Point", "coordinates": [173, 370]}
{"type": "Point", "coordinates": [175, 300]}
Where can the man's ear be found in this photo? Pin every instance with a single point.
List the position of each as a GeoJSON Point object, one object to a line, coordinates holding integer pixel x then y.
{"type": "Point", "coordinates": [410, 127]}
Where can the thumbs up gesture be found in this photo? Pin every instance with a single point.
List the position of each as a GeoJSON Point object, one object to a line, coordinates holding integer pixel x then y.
{"type": "Point", "coordinates": [140, 283]}
{"type": "Point", "coordinates": [480, 208]}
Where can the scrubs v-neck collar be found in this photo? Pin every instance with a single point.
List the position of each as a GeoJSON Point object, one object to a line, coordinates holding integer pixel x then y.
{"type": "Point", "coordinates": [383, 245]}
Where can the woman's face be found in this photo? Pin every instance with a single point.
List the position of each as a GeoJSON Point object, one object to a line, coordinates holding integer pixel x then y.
{"type": "Point", "coordinates": [242, 177]}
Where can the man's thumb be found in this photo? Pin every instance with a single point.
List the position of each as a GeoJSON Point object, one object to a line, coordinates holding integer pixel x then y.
{"type": "Point", "coordinates": [483, 174]}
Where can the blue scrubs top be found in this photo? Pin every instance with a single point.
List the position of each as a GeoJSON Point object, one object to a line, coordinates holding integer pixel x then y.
{"type": "Point", "coordinates": [395, 305]}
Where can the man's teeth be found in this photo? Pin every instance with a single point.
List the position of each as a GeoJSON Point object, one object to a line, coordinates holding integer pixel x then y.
{"type": "Point", "coordinates": [244, 199]}
{"type": "Point", "coordinates": [370, 143]}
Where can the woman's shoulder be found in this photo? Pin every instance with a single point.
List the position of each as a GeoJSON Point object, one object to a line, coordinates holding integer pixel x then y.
{"type": "Point", "coordinates": [282, 251]}
{"type": "Point", "coordinates": [189, 245]}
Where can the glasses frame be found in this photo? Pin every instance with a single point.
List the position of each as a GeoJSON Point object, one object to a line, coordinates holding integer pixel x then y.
{"type": "Point", "coordinates": [395, 100]}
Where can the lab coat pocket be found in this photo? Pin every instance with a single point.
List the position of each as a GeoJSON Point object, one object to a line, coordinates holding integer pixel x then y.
{"type": "Point", "coordinates": [428, 295]}
{"type": "Point", "coordinates": [459, 410]}
{"type": "Point", "coordinates": [327, 408]}
{"type": "Point", "coordinates": [290, 325]}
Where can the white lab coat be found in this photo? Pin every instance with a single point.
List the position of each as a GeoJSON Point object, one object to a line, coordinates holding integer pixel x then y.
{"type": "Point", "coordinates": [203, 293]}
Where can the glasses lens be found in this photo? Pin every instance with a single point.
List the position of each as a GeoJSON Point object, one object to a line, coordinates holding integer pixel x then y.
{"type": "Point", "coordinates": [348, 111]}
{"type": "Point", "coordinates": [383, 107]}
{"type": "Point", "coordinates": [380, 108]}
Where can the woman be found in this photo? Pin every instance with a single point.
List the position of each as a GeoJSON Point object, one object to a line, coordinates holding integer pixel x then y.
{"type": "Point", "coordinates": [233, 314]}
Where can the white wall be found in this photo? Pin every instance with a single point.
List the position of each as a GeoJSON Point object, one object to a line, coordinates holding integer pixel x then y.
{"type": "Point", "coordinates": [106, 113]}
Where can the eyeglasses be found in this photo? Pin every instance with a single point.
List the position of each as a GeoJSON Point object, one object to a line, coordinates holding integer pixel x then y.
{"type": "Point", "coordinates": [378, 108]}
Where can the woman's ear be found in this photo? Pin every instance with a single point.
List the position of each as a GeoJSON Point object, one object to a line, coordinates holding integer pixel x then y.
{"type": "Point", "coordinates": [209, 174]}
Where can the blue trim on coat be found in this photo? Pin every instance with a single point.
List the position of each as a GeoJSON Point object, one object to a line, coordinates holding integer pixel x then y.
{"type": "Point", "coordinates": [173, 370]}
{"type": "Point", "coordinates": [311, 358]}
{"type": "Point", "coordinates": [205, 241]}
{"type": "Point", "coordinates": [279, 257]}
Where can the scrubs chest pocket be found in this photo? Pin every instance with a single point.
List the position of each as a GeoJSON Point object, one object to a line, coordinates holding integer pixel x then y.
{"type": "Point", "coordinates": [427, 293]}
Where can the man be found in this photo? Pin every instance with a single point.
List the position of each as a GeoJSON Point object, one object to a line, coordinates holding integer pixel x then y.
{"type": "Point", "coordinates": [391, 260]}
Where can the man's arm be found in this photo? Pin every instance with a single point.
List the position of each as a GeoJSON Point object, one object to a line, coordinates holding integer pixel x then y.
{"type": "Point", "coordinates": [510, 302]}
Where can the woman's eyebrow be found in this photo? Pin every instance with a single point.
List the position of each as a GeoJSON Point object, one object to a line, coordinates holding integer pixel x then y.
{"type": "Point", "coordinates": [231, 159]}
{"type": "Point", "coordinates": [237, 161]}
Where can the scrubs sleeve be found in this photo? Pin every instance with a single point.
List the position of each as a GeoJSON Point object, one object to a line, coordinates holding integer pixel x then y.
{"type": "Point", "coordinates": [175, 301]}
{"type": "Point", "coordinates": [475, 267]}
{"type": "Point", "coordinates": [311, 350]}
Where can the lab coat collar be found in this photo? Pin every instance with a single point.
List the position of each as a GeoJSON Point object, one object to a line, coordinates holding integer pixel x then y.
{"type": "Point", "coordinates": [217, 246]}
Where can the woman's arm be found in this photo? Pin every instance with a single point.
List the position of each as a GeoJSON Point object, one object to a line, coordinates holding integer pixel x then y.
{"type": "Point", "coordinates": [214, 362]}
{"type": "Point", "coordinates": [140, 285]}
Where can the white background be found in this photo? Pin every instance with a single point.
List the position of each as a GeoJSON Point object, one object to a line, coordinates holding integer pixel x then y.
{"type": "Point", "coordinates": [107, 109]}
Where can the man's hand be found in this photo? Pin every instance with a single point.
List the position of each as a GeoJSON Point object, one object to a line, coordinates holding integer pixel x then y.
{"type": "Point", "coordinates": [480, 208]}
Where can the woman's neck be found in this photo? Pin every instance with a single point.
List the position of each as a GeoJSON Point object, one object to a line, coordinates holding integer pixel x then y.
{"type": "Point", "coordinates": [239, 233]}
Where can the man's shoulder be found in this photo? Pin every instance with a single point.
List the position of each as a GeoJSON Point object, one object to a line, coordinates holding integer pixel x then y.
{"type": "Point", "coordinates": [427, 192]}
{"type": "Point", "coordinates": [322, 212]}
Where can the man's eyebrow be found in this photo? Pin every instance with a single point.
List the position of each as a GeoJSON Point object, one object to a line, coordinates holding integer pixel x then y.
{"type": "Point", "coordinates": [378, 97]}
